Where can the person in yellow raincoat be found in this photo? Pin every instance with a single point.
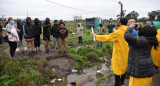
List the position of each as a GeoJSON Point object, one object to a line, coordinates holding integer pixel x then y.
{"type": "Point", "coordinates": [156, 52]}
{"type": "Point", "coordinates": [140, 66]}
{"type": "Point", "coordinates": [120, 51]}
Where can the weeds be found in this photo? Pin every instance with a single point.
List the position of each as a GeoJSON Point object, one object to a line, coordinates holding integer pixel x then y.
{"type": "Point", "coordinates": [110, 73]}
{"type": "Point", "coordinates": [22, 70]}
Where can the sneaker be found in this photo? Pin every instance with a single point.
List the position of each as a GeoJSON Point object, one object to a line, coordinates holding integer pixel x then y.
{"type": "Point", "coordinates": [13, 57]}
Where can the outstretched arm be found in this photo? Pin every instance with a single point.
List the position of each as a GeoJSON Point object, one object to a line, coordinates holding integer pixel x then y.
{"type": "Point", "coordinates": [105, 38]}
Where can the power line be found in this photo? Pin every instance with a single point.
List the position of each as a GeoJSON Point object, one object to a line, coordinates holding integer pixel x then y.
{"type": "Point", "coordinates": [66, 6]}
{"type": "Point", "coordinates": [81, 9]}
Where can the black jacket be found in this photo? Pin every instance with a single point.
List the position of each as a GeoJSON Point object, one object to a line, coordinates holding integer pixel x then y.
{"type": "Point", "coordinates": [54, 30]}
{"type": "Point", "coordinates": [46, 30]}
{"type": "Point", "coordinates": [37, 29]}
{"type": "Point", "coordinates": [1, 29]}
{"type": "Point", "coordinates": [28, 30]}
{"type": "Point", "coordinates": [20, 27]}
{"type": "Point", "coordinates": [140, 64]}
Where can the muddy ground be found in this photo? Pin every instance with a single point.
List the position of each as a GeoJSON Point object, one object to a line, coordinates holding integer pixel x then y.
{"type": "Point", "coordinates": [58, 62]}
{"type": "Point", "coordinates": [110, 81]}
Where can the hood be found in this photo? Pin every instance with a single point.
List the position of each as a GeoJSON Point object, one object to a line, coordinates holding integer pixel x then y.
{"type": "Point", "coordinates": [80, 24]}
{"type": "Point", "coordinates": [36, 21]}
{"type": "Point", "coordinates": [46, 20]}
{"type": "Point", "coordinates": [18, 22]}
{"type": "Point", "coordinates": [27, 20]}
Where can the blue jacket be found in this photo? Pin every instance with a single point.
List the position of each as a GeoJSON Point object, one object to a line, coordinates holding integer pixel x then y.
{"type": "Point", "coordinates": [134, 33]}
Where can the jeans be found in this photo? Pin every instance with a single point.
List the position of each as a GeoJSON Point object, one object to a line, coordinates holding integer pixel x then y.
{"type": "Point", "coordinates": [119, 79]}
{"type": "Point", "coordinates": [13, 46]}
{"type": "Point", "coordinates": [64, 41]}
{"type": "Point", "coordinates": [101, 44]}
{"type": "Point", "coordinates": [55, 41]}
{"type": "Point", "coordinates": [80, 39]}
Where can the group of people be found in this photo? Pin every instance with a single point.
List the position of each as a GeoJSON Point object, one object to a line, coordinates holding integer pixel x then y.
{"type": "Point", "coordinates": [32, 31]}
{"type": "Point", "coordinates": [135, 51]}
{"type": "Point", "coordinates": [132, 52]}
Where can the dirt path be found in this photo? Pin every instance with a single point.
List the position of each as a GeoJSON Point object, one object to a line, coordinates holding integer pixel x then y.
{"type": "Point", "coordinates": [110, 81]}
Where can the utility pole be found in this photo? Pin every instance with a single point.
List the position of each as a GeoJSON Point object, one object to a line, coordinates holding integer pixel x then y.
{"type": "Point", "coordinates": [27, 12]}
{"type": "Point", "coordinates": [121, 13]}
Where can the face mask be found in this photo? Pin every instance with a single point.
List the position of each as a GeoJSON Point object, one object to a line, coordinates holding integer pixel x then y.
{"type": "Point", "coordinates": [12, 22]}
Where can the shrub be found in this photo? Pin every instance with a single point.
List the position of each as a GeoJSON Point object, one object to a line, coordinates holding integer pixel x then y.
{"type": "Point", "coordinates": [99, 52]}
{"type": "Point", "coordinates": [84, 51]}
{"type": "Point", "coordinates": [72, 50]}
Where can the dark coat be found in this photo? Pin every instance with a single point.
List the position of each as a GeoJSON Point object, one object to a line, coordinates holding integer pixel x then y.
{"type": "Point", "coordinates": [1, 29]}
{"type": "Point", "coordinates": [140, 64]}
{"type": "Point", "coordinates": [20, 27]}
{"type": "Point", "coordinates": [110, 27]}
{"type": "Point", "coordinates": [54, 30]}
{"type": "Point", "coordinates": [37, 29]}
{"type": "Point", "coordinates": [29, 31]}
{"type": "Point", "coordinates": [46, 30]}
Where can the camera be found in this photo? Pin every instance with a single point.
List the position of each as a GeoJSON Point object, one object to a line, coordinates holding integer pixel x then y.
{"type": "Point", "coordinates": [136, 25]}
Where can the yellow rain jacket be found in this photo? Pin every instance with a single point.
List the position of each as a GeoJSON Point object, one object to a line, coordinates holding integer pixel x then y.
{"type": "Point", "coordinates": [120, 49]}
{"type": "Point", "coordinates": [156, 53]}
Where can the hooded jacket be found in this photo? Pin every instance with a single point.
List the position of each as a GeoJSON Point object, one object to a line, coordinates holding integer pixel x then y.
{"type": "Point", "coordinates": [20, 27]}
{"type": "Point", "coordinates": [54, 30]}
{"type": "Point", "coordinates": [120, 49]}
{"type": "Point", "coordinates": [80, 30]}
{"type": "Point", "coordinates": [156, 53]}
{"type": "Point", "coordinates": [37, 27]}
{"type": "Point", "coordinates": [140, 64]}
{"type": "Point", "coordinates": [28, 30]}
{"type": "Point", "coordinates": [46, 28]}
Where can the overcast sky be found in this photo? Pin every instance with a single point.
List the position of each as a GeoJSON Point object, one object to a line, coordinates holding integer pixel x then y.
{"type": "Point", "coordinates": [91, 8]}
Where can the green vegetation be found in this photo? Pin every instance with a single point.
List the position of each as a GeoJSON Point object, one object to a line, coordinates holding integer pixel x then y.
{"type": "Point", "coordinates": [110, 73]}
{"type": "Point", "coordinates": [24, 71]}
{"type": "Point", "coordinates": [35, 72]}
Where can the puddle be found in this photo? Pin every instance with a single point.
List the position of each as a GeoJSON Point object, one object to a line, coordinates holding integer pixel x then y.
{"type": "Point", "coordinates": [74, 76]}
{"type": "Point", "coordinates": [21, 49]}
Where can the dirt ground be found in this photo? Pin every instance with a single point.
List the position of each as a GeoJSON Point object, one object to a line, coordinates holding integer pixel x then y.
{"type": "Point", "coordinates": [110, 81]}
{"type": "Point", "coordinates": [59, 62]}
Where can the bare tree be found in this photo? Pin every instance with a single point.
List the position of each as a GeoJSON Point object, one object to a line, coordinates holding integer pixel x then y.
{"type": "Point", "coordinates": [2, 18]}
{"type": "Point", "coordinates": [77, 18]}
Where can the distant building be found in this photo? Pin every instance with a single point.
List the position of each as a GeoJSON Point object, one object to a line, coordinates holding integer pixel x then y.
{"type": "Point", "coordinates": [93, 22]}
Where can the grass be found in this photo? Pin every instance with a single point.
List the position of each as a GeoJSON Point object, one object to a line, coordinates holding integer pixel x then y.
{"type": "Point", "coordinates": [34, 72]}
{"type": "Point", "coordinates": [23, 71]}
{"type": "Point", "coordinates": [110, 73]}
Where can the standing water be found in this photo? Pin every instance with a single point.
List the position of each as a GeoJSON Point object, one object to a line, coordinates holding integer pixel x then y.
{"type": "Point", "coordinates": [74, 76]}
